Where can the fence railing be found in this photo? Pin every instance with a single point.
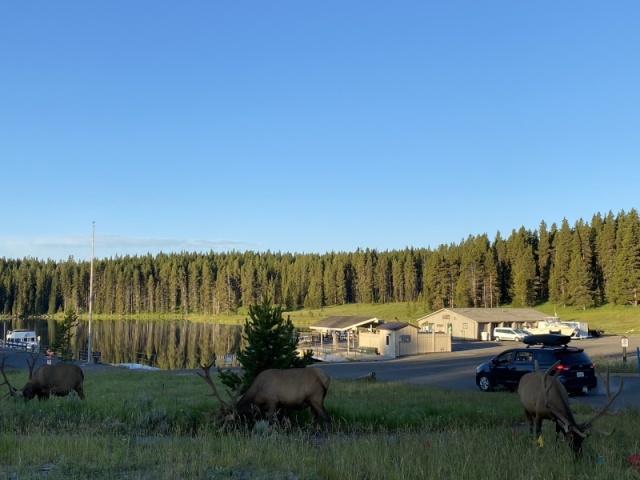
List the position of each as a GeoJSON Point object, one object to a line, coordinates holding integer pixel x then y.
{"type": "Point", "coordinates": [20, 345]}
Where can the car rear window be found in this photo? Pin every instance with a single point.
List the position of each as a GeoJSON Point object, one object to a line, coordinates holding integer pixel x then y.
{"type": "Point", "coordinates": [574, 358]}
{"type": "Point", "coordinates": [545, 357]}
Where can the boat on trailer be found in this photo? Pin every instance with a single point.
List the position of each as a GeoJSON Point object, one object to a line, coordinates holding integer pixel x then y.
{"type": "Point", "coordinates": [23, 339]}
{"type": "Point", "coordinates": [553, 325]}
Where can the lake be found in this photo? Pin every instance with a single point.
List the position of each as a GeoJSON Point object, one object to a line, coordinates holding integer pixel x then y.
{"type": "Point", "coordinates": [166, 344]}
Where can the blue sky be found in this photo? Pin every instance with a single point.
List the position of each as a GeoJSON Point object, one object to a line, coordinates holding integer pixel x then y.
{"type": "Point", "coordinates": [310, 126]}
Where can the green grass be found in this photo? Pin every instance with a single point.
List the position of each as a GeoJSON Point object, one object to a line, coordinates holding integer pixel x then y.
{"type": "Point", "coordinates": [160, 425]}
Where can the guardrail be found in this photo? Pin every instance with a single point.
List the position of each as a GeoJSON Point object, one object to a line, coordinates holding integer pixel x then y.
{"type": "Point", "coordinates": [21, 346]}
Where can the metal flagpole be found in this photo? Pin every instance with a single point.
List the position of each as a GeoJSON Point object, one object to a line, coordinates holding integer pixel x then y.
{"type": "Point", "coordinates": [93, 234]}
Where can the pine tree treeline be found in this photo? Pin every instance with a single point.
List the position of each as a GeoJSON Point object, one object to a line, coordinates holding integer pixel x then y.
{"type": "Point", "coordinates": [582, 265]}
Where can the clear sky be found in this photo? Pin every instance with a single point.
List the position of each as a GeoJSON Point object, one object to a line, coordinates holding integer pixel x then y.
{"type": "Point", "coordinates": [310, 126]}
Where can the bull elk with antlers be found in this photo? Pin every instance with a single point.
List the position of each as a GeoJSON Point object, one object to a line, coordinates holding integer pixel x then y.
{"type": "Point", "coordinates": [274, 391]}
{"type": "Point", "coordinates": [545, 398]}
{"type": "Point", "coordinates": [48, 380]}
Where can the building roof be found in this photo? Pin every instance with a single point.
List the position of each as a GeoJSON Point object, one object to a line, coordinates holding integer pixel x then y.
{"type": "Point", "coordinates": [394, 326]}
{"type": "Point", "coordinates": [492, 315]}
{"type": "Point", "coordinates": [344, 322]}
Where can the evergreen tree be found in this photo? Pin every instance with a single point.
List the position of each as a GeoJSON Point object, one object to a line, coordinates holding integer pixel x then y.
{"type": "Point", "coordinates": [397, 273]}
{"type": "Point", "coordinates": [491, 287]}
{"type": "Point", "coordinates": [382, 279]}
{"type": "Point", "coordinates": [522, 278]}
{"type": "Point", "coordinates": [558, 283]}
{"type": "Point", "coordinates": [625, 287]}
{"type": "Point", "coordinates": [63, 335]}
{"type": "Point", "coordinates": [315, 294]}
{"type": "Point", "coordinates": [271, 343]}
{"type": "Point", "coordinates": [605, 252]}
{"type": "Point", "coordinates": [544, 261]}
{"type": "Point", "coordinates": [410, 275]}
{"type": "Point", "coordinates": [503, 269]}
{"type": "Point", "coordinates": [579, 278]}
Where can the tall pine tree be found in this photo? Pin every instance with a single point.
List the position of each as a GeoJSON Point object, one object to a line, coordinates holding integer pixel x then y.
{"type": "Point", "coordinates": [625, 287]}
{"type": "Point", "coordinates": [271, 343]}
{"type": "Point", "coordinates": [579, 279]}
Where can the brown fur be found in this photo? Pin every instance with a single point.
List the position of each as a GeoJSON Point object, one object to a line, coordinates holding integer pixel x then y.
{"type": "Point", "coordinates": [538, 403]}
{"type": "Point", "coordinates": [57, 380]}
{"type": "Point", "coordinates": [295, 388]}
{"type": "Point", "coordinates": [545, 398]}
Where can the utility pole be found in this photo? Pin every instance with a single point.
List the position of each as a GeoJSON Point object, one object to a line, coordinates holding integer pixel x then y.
{"type": "Point", "coordinates": [93, 234]}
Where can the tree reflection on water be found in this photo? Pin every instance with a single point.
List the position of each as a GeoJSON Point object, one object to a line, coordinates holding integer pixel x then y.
{"type": "Point", "coordinates": [166, 344]}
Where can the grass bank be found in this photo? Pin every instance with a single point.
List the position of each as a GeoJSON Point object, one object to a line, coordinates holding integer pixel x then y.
{"type": "Point", "coordinates": [159, 425]}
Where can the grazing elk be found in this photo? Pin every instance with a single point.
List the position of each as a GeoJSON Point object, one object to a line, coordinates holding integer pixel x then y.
{"type": "Point", "coordinates": [545, 398]}
{"type": "Point", "coordinates": [48, 380]}
{"type": "Point", "coordinates": [274, 391]}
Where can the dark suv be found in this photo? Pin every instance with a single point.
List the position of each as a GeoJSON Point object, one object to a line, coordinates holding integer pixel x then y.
{"type": "Point", "coordinates": [576, 370]}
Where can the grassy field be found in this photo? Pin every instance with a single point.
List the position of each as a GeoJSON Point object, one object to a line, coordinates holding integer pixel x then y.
{"type": "Point", "coordinates": [139, 424]}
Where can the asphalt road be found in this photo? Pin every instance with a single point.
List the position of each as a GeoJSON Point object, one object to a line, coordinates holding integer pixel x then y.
{"type": "Point", "coordinates": [456, 370]}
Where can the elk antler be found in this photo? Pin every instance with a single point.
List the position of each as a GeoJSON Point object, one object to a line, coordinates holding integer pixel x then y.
{"type": "Point", "coordinates": [227, 411]}
{"type": "Point", "coordinates": [12, 391]}
{"type": "Point", "coordinates": [610, 399]}
{"type": "Point", "coordinates": [32, 363]}
{"type": "Point", "coordinates": [206, 376]}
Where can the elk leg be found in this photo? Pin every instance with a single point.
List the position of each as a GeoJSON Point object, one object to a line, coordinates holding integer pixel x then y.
{"type": "Point", "coordinates": [272, 414]}
{"type": "Point", "coordinates": [529, 421]}
{"type": "Point", "coordinates": [560, 430]}
{"type": "Point", "coordinates": [538, 426]}
{"type": "Point", "coordinates": [319, 412]}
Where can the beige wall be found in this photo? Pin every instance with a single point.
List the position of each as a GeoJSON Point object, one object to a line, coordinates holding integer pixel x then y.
{"type": "Point", "coordinates": [458, 325]}
{"type": "Point", "coordinates": [419, 342]}
{"type": "Point", "coordinates": [434, 342]}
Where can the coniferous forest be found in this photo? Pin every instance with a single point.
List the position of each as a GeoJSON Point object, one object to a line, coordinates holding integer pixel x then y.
{"type": "Point", "coordinates": [583, 265]}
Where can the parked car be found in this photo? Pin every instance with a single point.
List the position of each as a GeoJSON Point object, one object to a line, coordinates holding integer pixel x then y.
{"type": "Point", "coordinates": [503, 333]}
{"type": "Point", "coordinates": [576, 370]}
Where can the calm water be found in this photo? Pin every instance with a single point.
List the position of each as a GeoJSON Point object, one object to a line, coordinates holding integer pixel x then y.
{"type": "Point", "coordinates": [162, 343]}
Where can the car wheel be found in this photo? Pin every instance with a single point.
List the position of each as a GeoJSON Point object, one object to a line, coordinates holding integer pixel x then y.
{"type": "Point", "coordinates": [497, 339]}
{"type": "Point", "coordinates": [485, 384]}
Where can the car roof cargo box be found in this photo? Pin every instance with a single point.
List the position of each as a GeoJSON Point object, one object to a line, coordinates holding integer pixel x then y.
{"type": "Point", "coordinates": [547, 339]}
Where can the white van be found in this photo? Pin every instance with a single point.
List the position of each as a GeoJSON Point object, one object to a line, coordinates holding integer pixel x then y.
{"type": "Point", "coordinates": [504, 333]}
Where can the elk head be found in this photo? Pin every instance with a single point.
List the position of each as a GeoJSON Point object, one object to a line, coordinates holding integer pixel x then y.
{"type": "Point", "coordinates": [14, 392]}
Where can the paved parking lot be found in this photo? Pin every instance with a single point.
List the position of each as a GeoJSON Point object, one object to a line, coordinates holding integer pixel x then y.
{"type": "Point", "coordinates": [456, 370]}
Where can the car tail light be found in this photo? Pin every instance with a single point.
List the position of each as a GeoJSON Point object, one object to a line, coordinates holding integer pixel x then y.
{"type": "Point", "coordinates": [561, 367]}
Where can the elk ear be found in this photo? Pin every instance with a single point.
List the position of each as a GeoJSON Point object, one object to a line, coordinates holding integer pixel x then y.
{"type": "Point", "coordinates": [546, 387]}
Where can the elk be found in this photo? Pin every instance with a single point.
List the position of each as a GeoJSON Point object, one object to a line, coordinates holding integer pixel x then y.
{"type": "Point", "coordinates": [274, 390]}
{"type": "Point", "coordinates": [547, 399]}
{"type": "Point", "coordinates": [48, 380]}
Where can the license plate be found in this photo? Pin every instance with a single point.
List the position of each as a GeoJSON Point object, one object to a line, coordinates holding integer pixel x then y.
{"type": "Point", "coordinates": [579, 374]}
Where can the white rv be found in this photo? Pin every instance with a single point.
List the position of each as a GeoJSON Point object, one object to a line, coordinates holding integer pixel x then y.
{"type": "Point", "coordinates": [24, 339]}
